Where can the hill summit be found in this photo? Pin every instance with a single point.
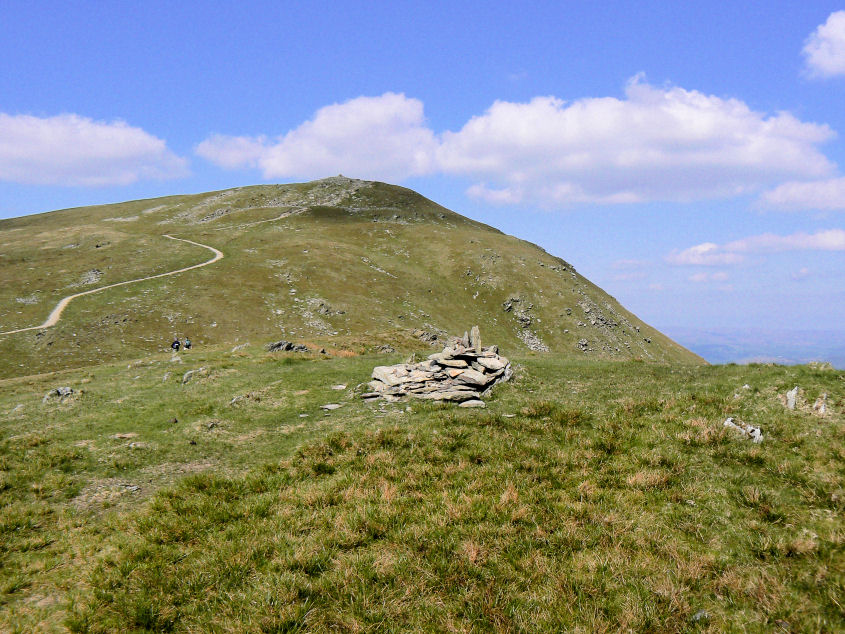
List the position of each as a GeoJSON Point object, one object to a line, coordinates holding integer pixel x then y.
{"type": "Point", "coordinates": [339, 263]}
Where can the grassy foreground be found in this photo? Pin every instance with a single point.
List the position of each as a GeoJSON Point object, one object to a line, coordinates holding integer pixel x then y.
{"type": "Point", "coordinates": [588, 496]}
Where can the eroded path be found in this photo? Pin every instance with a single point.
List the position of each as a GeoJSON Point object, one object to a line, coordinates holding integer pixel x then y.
{"type": "Point", "coordinates": [54, 317]}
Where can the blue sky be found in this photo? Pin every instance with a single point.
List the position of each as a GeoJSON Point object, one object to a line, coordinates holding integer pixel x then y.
{"type": "Point", "coordinates": [686, 157]}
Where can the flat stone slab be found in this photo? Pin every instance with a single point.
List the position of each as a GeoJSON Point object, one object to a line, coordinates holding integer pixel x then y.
{"type": "Point", "coordinates": [491, 363]}
{"type": "Point", "coordinates": [473, 377]}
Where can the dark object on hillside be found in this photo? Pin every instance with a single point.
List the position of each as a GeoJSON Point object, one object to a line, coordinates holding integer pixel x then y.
{"type": "Point", "coordinates": [286, 346]}
{"type": "Point", "coordinates": [462, 372]}
{"type": "Point", "coordinates": [175, 345]}
{"type": "Point", "coordinates": [60, 393]}
{"type": "Point", "coordinates": [187, 344]}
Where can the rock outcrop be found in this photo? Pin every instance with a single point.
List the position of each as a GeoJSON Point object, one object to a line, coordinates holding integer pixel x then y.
{"type": "Point", "coordinates": [285, 346]}
{"type": "Point", "coordinates": [461, 372]}
{"type": "Point", "coordinates": [59, 393]}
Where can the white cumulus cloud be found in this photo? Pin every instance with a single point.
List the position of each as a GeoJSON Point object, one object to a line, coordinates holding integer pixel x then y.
{"type": "Point", "coordinates": [712, 254]}
{"type": "Point", "coordinates": [68, 149]}
{"type": "Point", "coordinates": [829, 240]}
{"type": "Point", "coordinates": [826, 195]}
{"type": "Point", "coordinates": [705, 254]}
{"type": "Point", "coordinates": [655, 144]}
{"type": "Point", "coordinates": [232, 152]}
{"type": "Point", "coordinates": [381, 137]}
{"type": "Point", "coordinates": [824, 51]}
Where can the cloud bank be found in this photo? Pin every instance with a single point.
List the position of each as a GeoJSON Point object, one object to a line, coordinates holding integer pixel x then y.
{"type": "Point", "coordinates": [826, 195]}
{"type": "Point", "coordinates": [71, 150]}
{"type": "Point", "coordinates": [824, 51]}
{"type": "Point", "coordinates": [712, 254]}
{"type": "Point", "coordinates": [655, 144]}
{"type": "Point", "coordinates": [375, 137]}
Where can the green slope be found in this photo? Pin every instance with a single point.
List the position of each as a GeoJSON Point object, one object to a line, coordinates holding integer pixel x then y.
{"type": "Point", "coordinates": [339, 263]}
{"type": "Point", "coordinates": [588, 496]}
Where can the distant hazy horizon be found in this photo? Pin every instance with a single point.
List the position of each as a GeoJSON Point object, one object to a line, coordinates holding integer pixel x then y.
{"type": "Point", "coordinates": [755, 345]}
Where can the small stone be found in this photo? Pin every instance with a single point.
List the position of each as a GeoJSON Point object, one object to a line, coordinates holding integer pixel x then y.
{"type": "Point", "coordinates": [475, 339]}
{"type": "Point", "coordinates": [820, 406]}
{"type": "Point", "coordinates": [791, 396]}
{"type": "Point", "coordinates": [330, 406]}
{"type": "Point", "coordinates": [473, 403]}
{"type": "Point", "coordinates": [752, 432]}
{"type": "Point", "coordinates": [339, 386]}
{"type": "Point", "coordinates": [701, 615]}
{"type": "Point", "coordinates": [190, 374]}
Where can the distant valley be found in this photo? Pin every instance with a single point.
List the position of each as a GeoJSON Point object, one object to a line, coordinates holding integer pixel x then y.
{"type": "Point", "coordinates": [746, 345]}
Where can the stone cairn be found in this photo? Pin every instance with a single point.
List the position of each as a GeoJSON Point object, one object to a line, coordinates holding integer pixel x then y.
{"type": "Point", "coordinates": [461, 373]}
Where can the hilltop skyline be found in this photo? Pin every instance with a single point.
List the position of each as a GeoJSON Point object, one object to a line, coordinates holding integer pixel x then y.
{"type": "Point", "coordinates": [689, 161]}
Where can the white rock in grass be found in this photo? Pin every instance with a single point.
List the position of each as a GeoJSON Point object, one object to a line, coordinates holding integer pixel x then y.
{"type": "Point", "coordinates": [752, 432]}
{"type": "Point", "coordinates": [791, 396]}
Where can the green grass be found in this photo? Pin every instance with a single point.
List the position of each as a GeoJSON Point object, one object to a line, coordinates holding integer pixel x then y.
{"type": "Point", "coordinates": [599, 496]}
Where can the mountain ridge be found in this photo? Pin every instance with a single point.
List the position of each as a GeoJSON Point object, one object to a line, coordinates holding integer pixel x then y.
{"type": "Point", "coordinates": [343, 263]}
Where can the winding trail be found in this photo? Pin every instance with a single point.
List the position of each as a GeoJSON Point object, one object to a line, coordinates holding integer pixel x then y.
{"type": "Point", "coordinates": [54, 317]}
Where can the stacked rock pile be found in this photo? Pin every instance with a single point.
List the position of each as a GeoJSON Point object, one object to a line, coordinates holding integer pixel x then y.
{"type": "Point", "coordinates": [461, 373]}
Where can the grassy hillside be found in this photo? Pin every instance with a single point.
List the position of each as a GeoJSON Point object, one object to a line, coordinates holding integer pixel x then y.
{"type": "Point", "coordinates": [589, 494]}
{"type": "Point", "coordinates": [339, 263]}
